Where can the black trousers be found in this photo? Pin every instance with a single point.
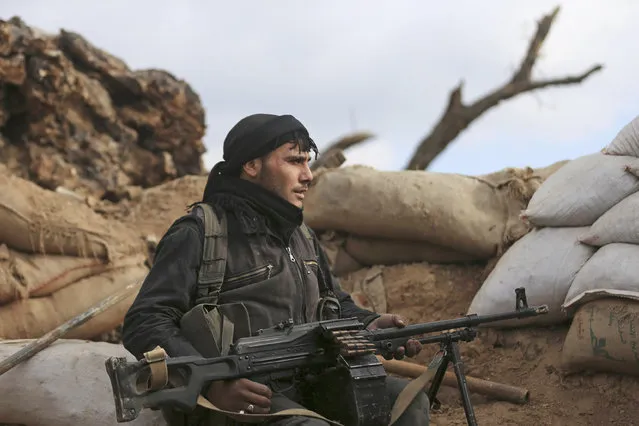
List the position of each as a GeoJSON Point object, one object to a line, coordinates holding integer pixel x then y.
{"type": "Point", "coordinates": [417, 414]}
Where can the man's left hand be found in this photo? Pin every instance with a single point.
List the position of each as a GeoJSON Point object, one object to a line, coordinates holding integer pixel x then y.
{"type": "Point", "coordinates": [413, 347]}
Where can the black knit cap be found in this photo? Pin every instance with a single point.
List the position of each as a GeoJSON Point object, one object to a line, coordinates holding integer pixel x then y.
{"type": "Point", "coordinates": [255, 136]}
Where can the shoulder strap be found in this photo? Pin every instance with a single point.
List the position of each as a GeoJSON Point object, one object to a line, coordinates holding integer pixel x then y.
{"type": "Point", "coordinates": [325, 287]}
{"type": "Point", "coordinates": [213, 265]}
{"type": "Point", "coordinates": [306, 232]}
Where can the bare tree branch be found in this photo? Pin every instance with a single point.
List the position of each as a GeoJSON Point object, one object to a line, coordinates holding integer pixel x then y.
{"type": "Point", "coordinates": [457, 116]}
{"type": "Point", "coordinates": [331, 160]}
{"type": "Point", "coordinates": [337, 148]}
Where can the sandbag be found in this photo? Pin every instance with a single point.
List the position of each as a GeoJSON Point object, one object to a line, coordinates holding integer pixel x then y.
{"type": "Point", "coordinates": [527, 181]}
{"type": "Point", "coordinates": [612, 270]}
{"type": "Point", "coordinates": [24, 275]}
{"type": "Point", "coordinates": [339, 261]}
{"type": "Point", "coordinates": [371, 251]}
{"type": "Point", "coordinates": [603, 338]}
{"type": "Point", "coordinates": [582, 190]}
{"type": "Point", "coordinates": [617, 225]}
{"type": "Point", "coordinates": [35, 220]}
{"type": "Point", "coordinates": [367, 289]}
{"type": "Point", "coordinates": [31, 318]}
{"type": "Point", "coordinates": [345, 263]}
{"type": "Point", "coordinates": [545, 262]}
{"type": "Point", "coordinates": [64, 384]}
{"type": "Point", "coordinates": [626, 142]}
{"type": "Point", "coordinates": [469, 214]}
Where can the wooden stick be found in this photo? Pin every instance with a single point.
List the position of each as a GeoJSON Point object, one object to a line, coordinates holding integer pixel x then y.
{"type": "Point", "coordinates": [42, 342]}
{"type": "Point", "coordinates": [488, 388]}
{"type": "Point", "coordinates": [331, 160]}
{"type": "Point", "coordinates": [342, 144]}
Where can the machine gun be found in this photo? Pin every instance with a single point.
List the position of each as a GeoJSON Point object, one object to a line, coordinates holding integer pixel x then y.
{"type": "Point", "coordinates": [323, 356]}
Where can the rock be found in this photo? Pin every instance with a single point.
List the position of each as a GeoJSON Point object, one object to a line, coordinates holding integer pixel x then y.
{"type": "Point", "coordinates": [74, 116]}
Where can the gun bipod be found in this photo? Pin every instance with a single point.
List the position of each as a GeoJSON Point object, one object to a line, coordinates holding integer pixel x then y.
{"type": "Point", "coordinates": [449, 353]}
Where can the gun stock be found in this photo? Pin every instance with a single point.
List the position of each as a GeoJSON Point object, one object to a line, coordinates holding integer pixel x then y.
{"type": "Point", "coordinates": [133, 388]}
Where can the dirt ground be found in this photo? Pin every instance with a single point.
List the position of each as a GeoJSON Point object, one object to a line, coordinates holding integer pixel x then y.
{"type": "Point", "coordinates": [529, 358]}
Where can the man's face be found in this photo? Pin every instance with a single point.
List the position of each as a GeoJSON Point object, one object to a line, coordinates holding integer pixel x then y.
{"type": "Point", "coordinates": [286, 172]}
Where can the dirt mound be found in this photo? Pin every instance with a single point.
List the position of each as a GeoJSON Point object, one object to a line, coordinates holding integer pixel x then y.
{"type": "Point", "coordinates": [74, 116]}
{"type": "Point", "coordinates": [530, 358]}
{"type": "Point", "coordinates": [431, 285]}
{"type": "Point", "coordinates": [153, 210]}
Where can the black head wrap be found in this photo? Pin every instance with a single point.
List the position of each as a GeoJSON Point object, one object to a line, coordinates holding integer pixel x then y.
{"type": "Point", "coordinates": [255, 136]}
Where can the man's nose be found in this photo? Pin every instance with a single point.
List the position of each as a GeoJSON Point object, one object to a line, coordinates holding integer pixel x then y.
{"type": "Point", "coordinates": [307, 174]}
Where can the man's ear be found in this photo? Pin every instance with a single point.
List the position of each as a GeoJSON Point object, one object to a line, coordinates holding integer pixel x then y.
{"type": "Point", "coordinates": [252, 168]}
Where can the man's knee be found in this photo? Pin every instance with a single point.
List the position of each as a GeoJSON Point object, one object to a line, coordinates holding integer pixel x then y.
{"type": "Point", "coordinates": [418, 411]}
{"type": "Point", "coordinates": [281, 402]}
{"type": "Point", "coordinates": [421, 402]}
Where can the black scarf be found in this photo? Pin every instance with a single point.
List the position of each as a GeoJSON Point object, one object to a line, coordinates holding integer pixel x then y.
{"type": "Point", "coordinates": [260, 208]}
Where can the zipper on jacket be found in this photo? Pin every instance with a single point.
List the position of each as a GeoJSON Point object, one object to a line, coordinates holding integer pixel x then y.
{"type": "Point", "coordinates": [251, 274]}
{"type": "Point", "coordinates": [302, 285]}
{"type": "Point", "coordinates": [301, 263]}
{"type": "Point", "coordinates": [310, 262]}
{"type": "Point", "coordinates": [290, 254]}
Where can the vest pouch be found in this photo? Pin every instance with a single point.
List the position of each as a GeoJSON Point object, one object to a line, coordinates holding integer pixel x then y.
{"type": "Point", "coordinates": [208, 330]}
{"type": "Point", "coordinates": [328, 308]}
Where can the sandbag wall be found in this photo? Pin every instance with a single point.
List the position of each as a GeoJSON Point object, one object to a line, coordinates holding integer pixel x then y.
{"type": "Point", "coordinates": [58, 258]}
{"type": "Point", "coordinates": [367, 217]}
{"type": "Point", "coordinates": [581, 258]}
{"type": "Point", "coordinates": [369, 220]}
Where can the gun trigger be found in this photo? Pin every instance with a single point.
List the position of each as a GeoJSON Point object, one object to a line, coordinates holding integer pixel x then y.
{"type": "Point", "coordinates": [156, 359]}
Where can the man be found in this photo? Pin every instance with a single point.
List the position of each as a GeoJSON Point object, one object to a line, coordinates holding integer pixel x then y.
{"type": "Point", "coordinates": [275, 268]}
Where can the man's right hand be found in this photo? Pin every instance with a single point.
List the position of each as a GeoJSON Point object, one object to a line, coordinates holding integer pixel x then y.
{"type": "Point", "coordinates": [240, 394]}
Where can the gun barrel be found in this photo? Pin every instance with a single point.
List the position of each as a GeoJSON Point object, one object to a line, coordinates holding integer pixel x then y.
{"type": "Point", "coordinates": [467, 321]}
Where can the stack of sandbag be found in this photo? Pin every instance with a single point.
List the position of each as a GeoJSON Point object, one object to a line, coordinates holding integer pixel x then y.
{"type": "Point", "coordinates": [560, 258]}
{"type": "Point", "coordinates": [369, 217]}
{"type": "Point", "coordinates": [604, 294]}
{"type": "Point", "coordinates": [57, 259]}
{"type": "Point", "coordinates": [64, 384]}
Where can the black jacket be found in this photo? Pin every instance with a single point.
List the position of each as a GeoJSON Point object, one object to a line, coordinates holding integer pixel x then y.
{"type": "Point", "coordinates": [264, 282]}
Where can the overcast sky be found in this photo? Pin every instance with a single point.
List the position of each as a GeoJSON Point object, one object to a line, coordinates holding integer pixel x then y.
{"type": "Point", "coordinates": [384, 67]}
